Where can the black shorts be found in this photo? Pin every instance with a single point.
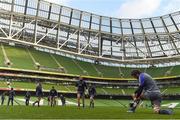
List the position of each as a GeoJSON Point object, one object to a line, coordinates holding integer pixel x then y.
{"type": "Point", "coordinates": [53, 96]}
{"type": "Point", "coordinates": [92, 96]}
{"type": "Point", "coordinates": [81, 93]}
{"type": "Point", "coordinates": [155, 98]}
{"type": "Point", "coordinates": [39, 95]}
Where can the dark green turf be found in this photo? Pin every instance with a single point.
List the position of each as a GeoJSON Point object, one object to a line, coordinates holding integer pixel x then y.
{"type": "Point", "coordinates": [70, 112]}
{"type": "Point", "coordinates": [104, 109]}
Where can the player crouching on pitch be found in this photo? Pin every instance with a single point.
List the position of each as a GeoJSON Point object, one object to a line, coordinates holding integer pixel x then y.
{"type": "Point", "coordinates": [147, 89]}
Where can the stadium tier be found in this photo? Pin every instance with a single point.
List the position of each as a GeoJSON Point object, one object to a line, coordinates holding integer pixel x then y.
{"type": "Point", "coordinates": [28, 58]}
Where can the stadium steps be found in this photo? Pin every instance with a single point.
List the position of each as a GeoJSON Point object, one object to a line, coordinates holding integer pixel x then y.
{"type": "Point", "coordinates": [123, 92]}
{"type": "Point", "coordinates": [104, 91]}
{"type": "Point", "coordinates": [176, 70]}
{"type": "Point", "coordinates": [114, 90]}
{"type": "Point", "coordinates": [169, 71]}
{"type": "Point", "coordinates": [97, 71]}
{"type": "Point", "coordinates": [126, 72]}
{"type": "Point", "coordinates": [121, 74]}
{"type": "Point", "coordinates": [67, 88]}
{"type": "Point", "coordinates": [157, 71]}
{"type": "Point", "coordinates": [43, 59]}
{"type": "Point", "coordinates": [71, 88]}
{"type": "Point", "coordinates": [88, 67]}
{"type": "Point", "coordinates": [78, 65]}
{"type": "Point", "coordinates": [129, 91]}
{"type": "Point", "coordinates": [33, 59]}
{"type": "Point", "coordinates": [100, 91]}
{"type": "Point", "coordinates": [3, 57]}
{"type": "Point", "coordinates": [69, 65]}
{"type": "Point", "coordinates": [59, 65]}
{"type": "Point", "coordinates": [19, 57]}
{"type": "Point", "coordinates": [63, 87]}
{"type": "Point", "coordinates": [108, 71]}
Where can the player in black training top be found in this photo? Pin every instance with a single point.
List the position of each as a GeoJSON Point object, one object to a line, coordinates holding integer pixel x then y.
{"type": "Point", "coordinates": [81, 88]}
{"type": "Point", "coordinates": [63, 100]}
{"type": "Point", "coordinates": [11, 96]}
{"type": "Point", "coordinates": [53, 95]}
{"type": "Point", "coordinates": [3, 98]}
{"type": "Point", "coordinates": [92, 93]}
{"type": "Point", "coordinates": [27, 98]}
{"type": "Point", "coordinates": [39, 94]}
{"type": "Point", "coordinates": [49, 99]}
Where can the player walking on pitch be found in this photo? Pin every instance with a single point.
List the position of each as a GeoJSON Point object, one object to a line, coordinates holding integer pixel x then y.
{"type": "Point", "coordinates": [53, 95]}
{"type": "Point", "coordinates": [39, 94]}
{"type": "Point", "coordinates": [11, 96]}
{"type": "Point", "coordinates": [3, 98]}
{"type": "Point", "coordinates": [27, 98]}
{"type": "Point", "coordinates": [92, 93]}
{"type": "Point", "coordinates": [81, 88]}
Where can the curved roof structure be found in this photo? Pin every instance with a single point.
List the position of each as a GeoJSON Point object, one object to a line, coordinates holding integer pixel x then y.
{"type": "Point", "coordinates": [47, 25]}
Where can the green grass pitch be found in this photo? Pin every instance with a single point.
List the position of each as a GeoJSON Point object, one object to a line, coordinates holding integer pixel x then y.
{"type": "Point", "coordinates": [72, 112]}
{"type": "Point", "coordinates": [104, 109]}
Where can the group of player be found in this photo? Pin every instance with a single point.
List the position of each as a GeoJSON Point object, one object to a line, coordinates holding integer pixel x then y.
{"type": "Point", "coordinates": [11, 94]}
{"type": "Point", "coordinates": [52, 97]}
{"type": "Point", "coordinates": [147, 89]}
{"type": "Point", "coordinates": [82, 90]}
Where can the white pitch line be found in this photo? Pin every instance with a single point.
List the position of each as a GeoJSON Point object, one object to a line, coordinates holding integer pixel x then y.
{"type": "Point", "coordinates": [42, 102]}
{"type": "Point", "coordinates": [71, 103]}
{"type": "Point", "coordinates": [104, 91]}
{"type": "Point", "coordinates": [67, 102]}
{"type": "Point", "coordinates": [164, 91]}
{"type": "Point", "coordinates": [170, 105]}
{"type": "Point", "coordinates": [123, 92]}
{"type": "Point", "coordinates": [31, 102]}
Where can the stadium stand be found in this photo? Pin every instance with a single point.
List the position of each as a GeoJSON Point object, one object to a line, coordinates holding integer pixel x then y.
{"type": "Point", "coordinates": [20, 58]}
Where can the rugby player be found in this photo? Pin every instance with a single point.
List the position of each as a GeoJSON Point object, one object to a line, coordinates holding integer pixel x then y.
{"type": "Point", "coordinates": [147, 89]}
{"type": "Point", "coordinates": [39, 94]}
{"type": "Point", "coordinates": [92, 93]}
{"type": "Point", "coordinates": [53, 95]}
{"type": "Point", "coordinates": [81, 88]}
{"type": "Point", "coordinates": [27, 98]}
{"type": "Point", "coordinates": [11, 96]}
